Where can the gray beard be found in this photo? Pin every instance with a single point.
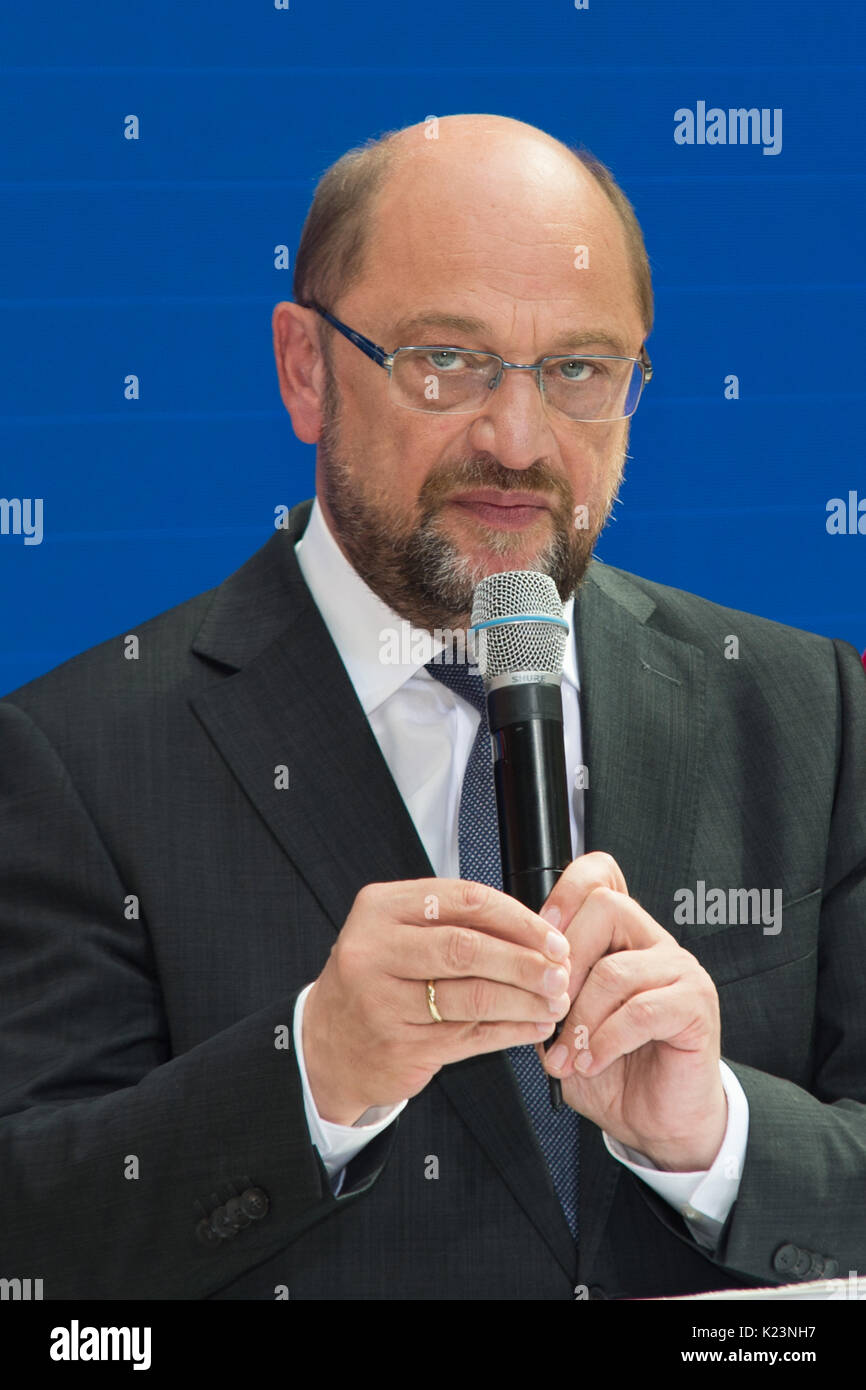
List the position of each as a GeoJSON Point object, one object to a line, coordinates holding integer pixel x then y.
{"type": "Point", "coordinates": [417, 570]}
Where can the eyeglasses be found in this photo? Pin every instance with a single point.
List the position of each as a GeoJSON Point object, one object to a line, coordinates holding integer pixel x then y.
{"type": "Point", "coordinates": [454, 381]}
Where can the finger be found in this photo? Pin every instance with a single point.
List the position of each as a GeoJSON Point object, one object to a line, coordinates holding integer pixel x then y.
{"type": "Point", "coordinates": [454, 1042]}
{"type": "Point", "coordinates": [430, 902]}
{"type": "Point", "coordinates": [407, 952]}
{"type": "Point", "coordinates": [478, 1000]}
{"type": "Point", "coordinates": [608, 921]}
{"type": "Point", "coordinates": [621, 974]}
{"type": "Point", "coordinates": [485, 963]}
{"type": "Point", "coordinates": [677, 1014]}
{"type": "Point", "coordinates": [578, 880]}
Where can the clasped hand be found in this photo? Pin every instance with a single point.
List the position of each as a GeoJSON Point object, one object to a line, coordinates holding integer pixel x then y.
{"type": "Point", "coordinates": [639, 1049]}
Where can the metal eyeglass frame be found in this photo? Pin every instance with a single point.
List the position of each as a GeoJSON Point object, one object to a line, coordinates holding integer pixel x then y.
{"type": "Point", "coordinates": [386, 360]}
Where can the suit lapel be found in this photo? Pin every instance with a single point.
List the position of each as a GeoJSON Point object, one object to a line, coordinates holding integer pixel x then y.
{"type": "Point", "coordinates": [341, 819]}
{"type": "Point", "coordinates": [343, 823]}
{"type": "Point", "coordinates": [643, 721]}
{"type": "Point", "coordinates": [642, 729]}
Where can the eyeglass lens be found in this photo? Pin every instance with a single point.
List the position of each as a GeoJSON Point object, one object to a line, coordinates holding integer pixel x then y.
{"type": "Point", "coordinates": [447, 380]}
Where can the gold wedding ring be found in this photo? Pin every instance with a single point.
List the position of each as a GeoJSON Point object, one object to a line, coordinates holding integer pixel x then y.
{"type": "Point", "coordinates": [431, 1003]}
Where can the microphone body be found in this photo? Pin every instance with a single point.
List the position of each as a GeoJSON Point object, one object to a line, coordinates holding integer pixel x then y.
{"type": "Point", "coordinates": [519, 616]}
{"type": "Point", "coordinates": [531, 794]}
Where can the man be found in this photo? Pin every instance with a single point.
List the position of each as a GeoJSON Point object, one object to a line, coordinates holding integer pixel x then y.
{"type": "Point", "coordinates": [271, 1029]}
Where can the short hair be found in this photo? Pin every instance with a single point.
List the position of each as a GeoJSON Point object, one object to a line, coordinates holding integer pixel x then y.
{"type": "Point", "coordinates": [330, 255]}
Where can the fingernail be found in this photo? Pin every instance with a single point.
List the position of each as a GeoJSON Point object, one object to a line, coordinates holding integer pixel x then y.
{"type": "Point", "coordinates": [560, 1005]}
{"type": "Point", "coordinates": [556, 945]}
{"type": "Point", "coordinates": [558, 1056]}
{"type": "Point", "coordinates": [552, 915]}
{"type": "Point", "coordinates": [583, 1061]}
{"type": "Point", "coordinates": [555, 981]}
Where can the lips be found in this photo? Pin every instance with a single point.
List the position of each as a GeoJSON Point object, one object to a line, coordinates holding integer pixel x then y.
{"type": "Point", "coordinates": [492, 498]}
{"type": "Point", "coordinates": [509, 511]}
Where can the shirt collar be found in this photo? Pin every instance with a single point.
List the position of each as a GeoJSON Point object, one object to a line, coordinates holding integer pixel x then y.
{"type": "Point", "coordinates": [379, 649]}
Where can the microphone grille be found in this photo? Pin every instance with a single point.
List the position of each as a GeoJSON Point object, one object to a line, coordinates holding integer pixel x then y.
{"type": "Point", "coordinates": [524, 630]}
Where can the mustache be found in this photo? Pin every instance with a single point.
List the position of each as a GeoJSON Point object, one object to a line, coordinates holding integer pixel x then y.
{"type": "Point", "coordinates": [485, 471]}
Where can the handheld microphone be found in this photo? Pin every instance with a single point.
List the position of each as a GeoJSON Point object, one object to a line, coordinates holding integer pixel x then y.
{"type": "Point", "coordinates": [519, 638]}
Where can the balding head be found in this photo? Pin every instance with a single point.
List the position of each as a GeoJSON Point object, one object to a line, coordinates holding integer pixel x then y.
{"type": "Point", "coordinates": [479, 166]}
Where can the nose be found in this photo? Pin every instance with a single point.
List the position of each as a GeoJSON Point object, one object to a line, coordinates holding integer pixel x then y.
{"type": "Point", "coordinates": [513, 424]}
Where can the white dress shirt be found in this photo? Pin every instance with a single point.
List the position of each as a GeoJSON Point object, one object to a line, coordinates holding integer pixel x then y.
{"type": "Point", "coordinates": [426, 733]}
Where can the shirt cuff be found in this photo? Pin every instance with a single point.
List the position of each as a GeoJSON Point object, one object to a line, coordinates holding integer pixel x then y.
{"type": "Point", "coordinates": [703, 1199]}
{"type": "Point", "coordinates": [337, 1144]}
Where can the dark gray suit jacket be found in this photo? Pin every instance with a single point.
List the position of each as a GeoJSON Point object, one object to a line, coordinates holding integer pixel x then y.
{"type": "Point", "coordinates": [154, 1037]}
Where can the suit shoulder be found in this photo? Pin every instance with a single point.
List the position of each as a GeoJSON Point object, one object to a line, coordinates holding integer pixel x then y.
{"type": "Point", "coordinates": [701, 621]}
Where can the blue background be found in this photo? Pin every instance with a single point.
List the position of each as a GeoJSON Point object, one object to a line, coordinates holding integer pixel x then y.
{"type": "Point", "coordinates": [155, 257]}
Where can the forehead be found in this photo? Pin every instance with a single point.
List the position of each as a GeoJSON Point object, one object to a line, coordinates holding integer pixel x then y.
{"type": "Point", "coordinates": [523, 241]}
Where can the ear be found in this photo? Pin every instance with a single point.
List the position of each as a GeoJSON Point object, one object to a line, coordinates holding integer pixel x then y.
{"type": "Point", "coordinates": [300, 368]}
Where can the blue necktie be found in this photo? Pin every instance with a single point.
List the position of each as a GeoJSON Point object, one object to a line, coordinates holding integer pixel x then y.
{"type": "Point", "coordinates": [558, 1132]}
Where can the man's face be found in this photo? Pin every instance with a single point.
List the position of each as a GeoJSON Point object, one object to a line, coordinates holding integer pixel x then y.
{"type": "Point", "coordinates": [422, 504]}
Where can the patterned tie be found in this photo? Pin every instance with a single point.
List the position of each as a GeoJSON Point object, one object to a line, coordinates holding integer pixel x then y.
{"type": "Point", "coordinates": [558, 1132]}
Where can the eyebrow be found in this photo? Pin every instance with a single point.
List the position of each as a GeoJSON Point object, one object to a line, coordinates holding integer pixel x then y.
{"type": "Point", "coordinates": [408, 328]}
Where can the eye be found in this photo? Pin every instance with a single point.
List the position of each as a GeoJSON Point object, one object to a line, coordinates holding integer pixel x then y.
{"type": "Point", "coordinates": [446, 359]}
{"type": "Point", "coordinates": [577, 369]}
